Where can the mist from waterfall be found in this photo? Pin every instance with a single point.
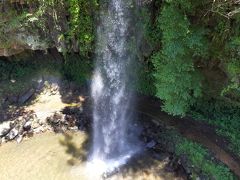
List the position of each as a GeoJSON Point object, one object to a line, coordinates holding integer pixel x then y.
{"type": "Point", "coordinates": [110, 91]}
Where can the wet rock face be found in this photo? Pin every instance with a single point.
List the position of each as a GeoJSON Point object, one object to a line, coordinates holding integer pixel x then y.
{"type": "Point", "coordinates": [31, 33]}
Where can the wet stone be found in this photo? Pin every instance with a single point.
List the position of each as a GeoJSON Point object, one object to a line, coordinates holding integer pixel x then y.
{"type": "Point", "coordinates": [5, 128]}
{"type": "Point", "coordinates": [151, 144]}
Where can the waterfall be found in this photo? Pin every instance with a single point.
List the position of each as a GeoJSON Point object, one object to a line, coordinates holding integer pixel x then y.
{"type": "Point", "coordinates": [110, 91]}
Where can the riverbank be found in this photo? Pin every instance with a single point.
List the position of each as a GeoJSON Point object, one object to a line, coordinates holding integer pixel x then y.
{"type": "Point", "coordinates": [63, 157]}
{"type": "Point", "coordinates": [52, 129]}
{"type": "Point", "coordinates": [196, 131]}
{"type": "Point", "coordinates": [190, 149]}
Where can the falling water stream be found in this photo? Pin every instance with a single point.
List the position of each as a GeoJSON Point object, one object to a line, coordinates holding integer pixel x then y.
{"type": "Point", "coordinates": [110, 92]}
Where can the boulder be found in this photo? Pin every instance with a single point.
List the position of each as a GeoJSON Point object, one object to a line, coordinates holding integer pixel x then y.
{"type": "Point", "coordinates": [27, 125]}
{"type": "Point", "coordinates": [5, 127]}
{"type": "Point", "coordinates": [26, 96]}
{"type": "Point", "coordinates": [12, 134]}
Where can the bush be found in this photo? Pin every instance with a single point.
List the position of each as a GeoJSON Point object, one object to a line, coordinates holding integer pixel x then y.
{"type": "Point", "coordinates": [200, 158]}
{"type": "Point", "coordinates": [225, 116]}
{"type": "Point", "coordinates": [81, 23]}
{"type": "Point", "coordinates": [177, 82]}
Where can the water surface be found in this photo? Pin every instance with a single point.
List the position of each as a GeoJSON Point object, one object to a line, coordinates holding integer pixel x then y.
{"type": "Point", "coordinates": [52, 156]}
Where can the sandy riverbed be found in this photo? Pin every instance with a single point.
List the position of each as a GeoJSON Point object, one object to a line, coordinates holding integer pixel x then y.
{"type": "Point", "coordinates": [52, 156]}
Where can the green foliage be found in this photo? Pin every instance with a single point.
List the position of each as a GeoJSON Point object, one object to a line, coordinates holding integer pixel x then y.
{"type": "Point", "coordinates": [151, 31]}
{"type": "Point", "coordinates": [200, 159]}
{"type": "Point", "coordinates": [16, 69]}
{"type": "Point", "coordinates": [26, 65]}
{"type": "Point", "coordinates": [82, 24]}
{"type": "Point", "coordinates": [225, 116]}
{"type": "Point", "coordinates": [190, 37]}
{"type": "Point", "coordinates": [224, 34]}
{"type": "Point", "coordinates": [233, 65]}
{"type": "Point", "coordinates": [77, 69]}
{"type": "Point", "coordinates": [34, 21]}
{"type": "Point", "coordinates": [146, 81]}
{"type": "Point", "coordinates": [42, 15]}
{"type": "Point", "coordinates": [177, 82]}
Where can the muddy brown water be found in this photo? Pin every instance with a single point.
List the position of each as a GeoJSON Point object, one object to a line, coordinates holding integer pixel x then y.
{"type": "Point", "coordinates": [197, 131]}
{"type": "Point", "coordinates": [51, 156]}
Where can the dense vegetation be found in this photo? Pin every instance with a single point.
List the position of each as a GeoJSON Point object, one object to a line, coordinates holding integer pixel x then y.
{"type": "Point", "coordinates": [195, 45]}
{"type": "Point", "coordinates": [224, 116]}
{"type": "Point", "coordinates": [196, 61]}
{"type": "Point", "coordinates": [66, 25]}
{"type": "Point", "coordinates": [199, 45]}
{"type": "Point", "coordinates": [201, 159]}
{"type": "Point", "coordinates": [195, 157]}
{"type": "Point", "coordinates": [196, 56]}
{"type": "Point", "coordinates": [193, 64]}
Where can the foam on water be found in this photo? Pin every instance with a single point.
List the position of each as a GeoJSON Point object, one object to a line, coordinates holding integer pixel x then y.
{"type": "Point", "coordinates": [97, 168]}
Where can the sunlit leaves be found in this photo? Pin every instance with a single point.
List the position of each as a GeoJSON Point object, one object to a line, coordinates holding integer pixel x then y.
{"type": "Point", "coordinates": [81, 24]}
{"type": "Point", "coordinates": [177, 82]}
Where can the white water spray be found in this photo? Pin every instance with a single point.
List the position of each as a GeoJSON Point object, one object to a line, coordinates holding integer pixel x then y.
{"type": "Point", "coordinates": [110, 92]}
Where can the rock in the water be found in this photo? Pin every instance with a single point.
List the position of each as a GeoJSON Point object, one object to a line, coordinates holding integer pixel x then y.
{"type": "Point", "coordinates": [75, 128]}
{"type": "Point", "coordinates": [5, 127]}
{"type": "Point", "coordinates": [12, 134]}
